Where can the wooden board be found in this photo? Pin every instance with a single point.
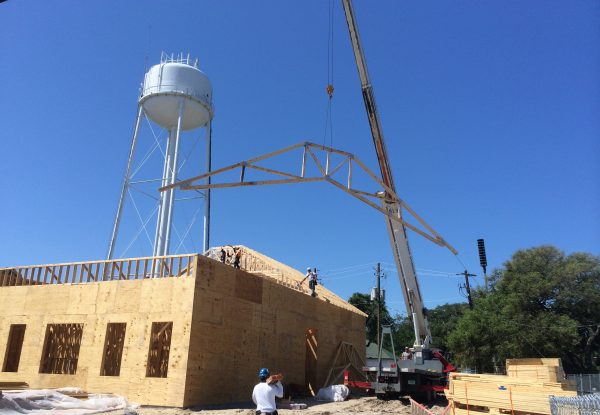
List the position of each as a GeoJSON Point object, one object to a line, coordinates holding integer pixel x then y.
{"type": "Point", "coordinates": [496, 393]}
{"type": "Point", "coordinates": [539, 370]}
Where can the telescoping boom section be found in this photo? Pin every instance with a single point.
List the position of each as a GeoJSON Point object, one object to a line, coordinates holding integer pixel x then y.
{"type": "Point", "coordinates": [396, 230]}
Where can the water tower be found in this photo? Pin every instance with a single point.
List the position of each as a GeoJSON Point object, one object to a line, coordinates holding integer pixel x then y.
{"type": "Point", "coordinates": [176, 96]}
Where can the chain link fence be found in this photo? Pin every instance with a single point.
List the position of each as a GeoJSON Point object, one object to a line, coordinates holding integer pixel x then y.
{"type": "Point", "coordinates": [576, 405]}
{"type": "Point", "coordinates": [586, 383]}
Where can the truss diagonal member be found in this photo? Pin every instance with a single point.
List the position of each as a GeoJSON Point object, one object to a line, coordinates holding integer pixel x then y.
{"type": "Point", "coordinates": [339, 166]}
{"type": "Point", "coordinates": [394, 212]}
{"type": "Point", "coordinates": [316, 160]}
{"type": "Point", "coordinates": [395, 218]}
{"type": "Point", "coordinates": [391, 193]}
{"type": "Point", "coordinates": [184, 183]}
{"type": "Point", "coordinates": [380, 201]}
{"type": "Point", "coordinates": [280, 173]}
{"type": "Point", "coordinates": [378, 195]}
{"type": "Point", "coordinates": [442, 241]}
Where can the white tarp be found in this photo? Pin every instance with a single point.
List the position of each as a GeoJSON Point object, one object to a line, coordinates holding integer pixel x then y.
{"type": "Point", "coordinates": [52, 401]}
{"type": "Point", "coordinates": [333, 393]}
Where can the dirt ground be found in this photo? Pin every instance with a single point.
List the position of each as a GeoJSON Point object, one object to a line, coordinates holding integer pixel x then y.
{"type": "Point", "coordinates": [354, 406]}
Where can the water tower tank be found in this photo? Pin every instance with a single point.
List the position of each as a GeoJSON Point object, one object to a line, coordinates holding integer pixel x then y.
{"type": "Point", "coordinates": [167, 83]}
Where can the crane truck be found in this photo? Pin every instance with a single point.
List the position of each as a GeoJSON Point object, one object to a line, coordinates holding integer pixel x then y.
{"type": "Point", "coordinates": [427, 369]}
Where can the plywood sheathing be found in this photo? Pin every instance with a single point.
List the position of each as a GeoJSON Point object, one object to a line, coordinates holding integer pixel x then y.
{"type": "Point", "coordinates": [244, 321]}
{"type": "Point", "coordinates": [260, 264]}
{"type": "Point", "coordinates": [227, 323]}
{"type": "Point", "coordinates": [137, 303]}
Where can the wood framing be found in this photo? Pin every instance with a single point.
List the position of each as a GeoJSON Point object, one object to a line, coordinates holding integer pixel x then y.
{"type": "Point", "coordinates": [163, 331]}
{"type": "Point", "coordinates": [60, 353]}
{"type": "Point", "coordinates": [113, 349]}
{"type": "Point", "coordinates": [347, 358]}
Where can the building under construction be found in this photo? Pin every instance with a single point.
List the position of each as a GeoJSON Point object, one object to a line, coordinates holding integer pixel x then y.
{"type": "Point", "coordinates": [175, 330]}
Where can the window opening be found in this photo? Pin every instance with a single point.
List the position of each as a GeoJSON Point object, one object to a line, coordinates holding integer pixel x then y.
{"type": "Point", "coordinates": [160, 345]}
{"type": "Point", "coordinates": [113, 349]}
{"type": "Point", "coordinates": [14, 345]}
{"type": "Point", "coordinates": [61, 349]}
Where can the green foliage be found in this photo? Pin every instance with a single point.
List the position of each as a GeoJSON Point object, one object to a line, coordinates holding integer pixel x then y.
{"type": "Point", "coordinates": [542, 303]}
{"type": "Point", "coordinates": [363, 303]}
{"type": "Point", "coordinates": [442, 320]}
{"type": "Point", "coordinates": [403, 333]}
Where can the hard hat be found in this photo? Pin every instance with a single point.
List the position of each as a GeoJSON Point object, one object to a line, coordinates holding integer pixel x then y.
{"type": "Point", "coordinates": [308, 269]}
{"type": "Point", "coordinates": [263, 373]}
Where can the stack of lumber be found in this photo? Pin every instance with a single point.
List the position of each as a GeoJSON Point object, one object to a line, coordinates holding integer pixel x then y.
{"type": "Point", "coordinates": [539, 370]}
{"type": "Point", "coordinates": [525, 390]}
{"type": "Point", "coordinates": [5, 386]}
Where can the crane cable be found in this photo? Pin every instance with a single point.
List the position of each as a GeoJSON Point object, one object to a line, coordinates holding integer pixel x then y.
{"type": "Point", "coordinates": [329, 89]}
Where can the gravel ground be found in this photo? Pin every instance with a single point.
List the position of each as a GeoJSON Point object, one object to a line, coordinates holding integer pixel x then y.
{"type": "Point", "coordinates": [354, 406]}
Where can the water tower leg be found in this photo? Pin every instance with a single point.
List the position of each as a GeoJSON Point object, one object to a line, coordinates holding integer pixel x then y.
{"type": "Point", "coordinates": [159, 235]}
{"type": "Point", "coordinates": [172, 179]}
{"type": "Point", "coordinates": [126, 179]}
{"type": "Point", "coordinates": [206, 244]}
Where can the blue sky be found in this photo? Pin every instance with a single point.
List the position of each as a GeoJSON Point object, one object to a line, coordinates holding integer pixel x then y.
{"type": "Point", "coordinates": [489, 110]}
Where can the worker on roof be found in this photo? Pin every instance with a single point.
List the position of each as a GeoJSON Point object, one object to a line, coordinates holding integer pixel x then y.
{"type": "Point", "coordinates": [311, 276]}
{"type": "Point", "coordinates": [265, 392]}
{"type": "Point", "coordinates": [237, 256]}
{"type": "Point", "coordinates": [314, 280]}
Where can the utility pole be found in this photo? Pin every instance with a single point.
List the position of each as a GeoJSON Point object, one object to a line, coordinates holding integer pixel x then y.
{"type": "Point", "coordinates": [378, 294]}
{"type": "Point", "coordinates": [468, 287]}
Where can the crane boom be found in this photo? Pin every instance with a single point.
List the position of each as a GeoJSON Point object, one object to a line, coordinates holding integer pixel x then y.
{"type": "Point", "coordinates": [396, 231]}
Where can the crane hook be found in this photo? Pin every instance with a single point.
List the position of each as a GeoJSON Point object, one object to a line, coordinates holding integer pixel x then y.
{"type": "Point", "coordinates": [330, 90]}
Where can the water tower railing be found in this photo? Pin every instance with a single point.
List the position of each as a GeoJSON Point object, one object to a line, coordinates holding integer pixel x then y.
{"type": "Point", "coordinates": [178, 58]}
{"type": "Point", "coordinates": [170, 88]}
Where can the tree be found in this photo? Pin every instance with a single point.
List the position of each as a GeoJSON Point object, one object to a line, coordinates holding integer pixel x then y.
{"type": "Point", "coordinates": [542, 303]}
{"type": "Point", "coordinates": [403, 332]}
{"type": "Point", "coordinates": [363, 303]}
{"type": "Point", "coordinates": [443, 320]}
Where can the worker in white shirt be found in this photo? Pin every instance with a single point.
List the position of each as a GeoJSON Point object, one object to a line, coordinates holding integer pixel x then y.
{"type": "Point", "coordinates": [312, 280]}
{"type": "Point", "coordinates": [265, 392]}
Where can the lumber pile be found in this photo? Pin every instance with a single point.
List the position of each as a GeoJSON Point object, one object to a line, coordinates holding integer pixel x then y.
{"type": "Point", "coordinates": [539, 370]}
{"type": "Point", "coordinates": [525, 390]}
{"type": "Point", "coordinates": [13, 386]}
